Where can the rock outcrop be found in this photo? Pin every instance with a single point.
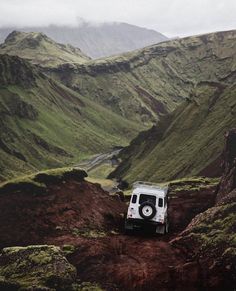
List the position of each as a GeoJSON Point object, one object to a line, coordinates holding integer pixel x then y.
{"type": "Point", "coordinates": [15, 71]}
{"type": "Point", "coordinates": [228, 180]}
{"type": "Point", "coordinates": [210, 238]}
{"type": "Point", "coordinates": [38, 268]}
{"type": "Point", "coordinates": [53, 206]}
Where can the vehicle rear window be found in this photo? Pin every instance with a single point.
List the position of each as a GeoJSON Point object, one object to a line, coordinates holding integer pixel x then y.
{"type": "Point", "coordinates": [147, 198]}
{"type": "Point", "coordinates": [160, 202]}
{"type": "Point", "coordinates": [134, 198]}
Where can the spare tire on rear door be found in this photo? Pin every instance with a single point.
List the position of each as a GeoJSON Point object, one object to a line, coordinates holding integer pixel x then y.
{"type": "Point", "coordinates": [147, 210]}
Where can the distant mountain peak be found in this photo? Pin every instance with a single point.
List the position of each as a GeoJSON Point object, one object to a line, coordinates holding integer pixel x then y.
{"type": "Point", "coordinates": [96, 39]}
{"type": "Point", "coordinates": [27, 39]}
{"type": "Point", "coordinates": [40, 49]}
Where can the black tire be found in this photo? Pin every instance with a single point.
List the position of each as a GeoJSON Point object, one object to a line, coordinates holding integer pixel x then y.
{"type": "Point", "coordinates": [149, 214]}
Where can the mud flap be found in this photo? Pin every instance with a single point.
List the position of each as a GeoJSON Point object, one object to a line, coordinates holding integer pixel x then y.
{"type": "Point", "coordinates": [160, 229]}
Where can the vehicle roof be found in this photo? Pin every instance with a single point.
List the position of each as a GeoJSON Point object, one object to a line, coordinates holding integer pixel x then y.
{"type": "Point", "coordinates": [141, 187]}
{"type": "Point", "coordinates": [146, 190]}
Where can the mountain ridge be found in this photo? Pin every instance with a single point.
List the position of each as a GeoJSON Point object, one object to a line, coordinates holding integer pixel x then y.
{"type": "Point", "coordinates": [101, 40]}
{"type": "Point", "coordinates": [154, 80]}
{"type": "Point", "coordinates": [41, 50]}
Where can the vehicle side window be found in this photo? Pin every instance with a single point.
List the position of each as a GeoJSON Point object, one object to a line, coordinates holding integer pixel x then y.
{"type": "Point", "coordinates": [160, 202]}
{"type": "Point", "coordinates": [134, 199]}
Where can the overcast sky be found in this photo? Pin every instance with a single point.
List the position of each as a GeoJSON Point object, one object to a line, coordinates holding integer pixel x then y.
{"type": "Point", "coordinates": [171, 17]}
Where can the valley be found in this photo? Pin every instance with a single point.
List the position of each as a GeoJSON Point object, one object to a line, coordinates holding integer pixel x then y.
{"type": "Point", "coordinates": [73, 130]}
{"type": "Point", "coordinates": [46, 125]}
{"type": "Point", "coordinates": [105, 103]}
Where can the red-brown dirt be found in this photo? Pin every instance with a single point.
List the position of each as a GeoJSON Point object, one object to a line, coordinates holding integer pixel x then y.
{"type": "Point", "coordinates": [66, 211]}
{"type": "Point", "coordinates": [35, 218]}
{"type": "Point", "coordinates": [72, 211]}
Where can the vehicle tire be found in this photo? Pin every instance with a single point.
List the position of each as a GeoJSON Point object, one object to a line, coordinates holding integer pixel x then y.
{"type": "Point", "coordinates": [147, 210]}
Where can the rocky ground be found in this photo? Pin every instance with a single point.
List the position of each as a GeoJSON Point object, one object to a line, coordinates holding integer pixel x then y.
{"type": "Point", "coordinates": [61, 208]}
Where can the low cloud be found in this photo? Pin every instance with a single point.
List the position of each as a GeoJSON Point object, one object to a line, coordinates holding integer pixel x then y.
{"type": "Point", "coordinates": [171, 17]}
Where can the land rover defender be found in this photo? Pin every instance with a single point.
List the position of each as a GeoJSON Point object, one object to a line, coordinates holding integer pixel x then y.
{"type": "Point", "coordinates": [148, 207]}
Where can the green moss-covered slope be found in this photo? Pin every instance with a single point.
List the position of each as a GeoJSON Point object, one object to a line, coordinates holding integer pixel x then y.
{"type": "Point", "coordinates": [141, 85]}
{"type": "Point", "coordinates": [39, 267]}
{"type": "Point", "coordinates": [44, 124]}
{"type": "Point", "coordinates": [148, 83]}
{"type": "Point", "coordinates": [187, 142]}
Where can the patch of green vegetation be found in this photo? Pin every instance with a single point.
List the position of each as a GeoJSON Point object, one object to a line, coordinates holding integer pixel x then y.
{"type": "Point", "coordinates": [101, 171]}
{"type": "Point", "coordinates": [89, 233]}
{"type": "Point", "coordinates": [40, 258]}
{"type": "Point", "coordinates": [38, 182]}
{"type": "Point", "coordinates": [86, 286]}
{"type": "Point", "coordinates": [68, 249]}
{"type": "Point", "coordinates": [192, 184]}
{"type": "Point", "coordinates": [215, 228]}
{"type": "Point", "coordinates": [38, 266]}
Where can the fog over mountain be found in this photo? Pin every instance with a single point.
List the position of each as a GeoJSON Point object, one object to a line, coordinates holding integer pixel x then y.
{"type": "Point", "coordinates": [97, 40]}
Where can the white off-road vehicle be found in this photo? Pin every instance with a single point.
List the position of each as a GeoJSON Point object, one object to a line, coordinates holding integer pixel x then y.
{"type": "Point", "coordinates": [148, 206]}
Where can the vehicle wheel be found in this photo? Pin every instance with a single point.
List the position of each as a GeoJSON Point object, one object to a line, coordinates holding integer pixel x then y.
{"type": "Point", "coordinates": [147, 210]}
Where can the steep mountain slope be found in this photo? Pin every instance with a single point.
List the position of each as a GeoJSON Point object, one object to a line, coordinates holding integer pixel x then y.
{"type": "Point", "coordinates": [44, 124]}
{"type": "Point", "coordinates": [187, 142]}
{"type": "Point", "coordinates": [146, 84]}
{"type": "Point", "coordinates": [210, 238]}
{"type": "Point", "coordinates": [40, 49]}
{"type": "Point", "coordinates": [143, 86]}
{"type": "Point", "coordinates": [98, 40]}
{"type": "Point", "coordinates": [151, 82]}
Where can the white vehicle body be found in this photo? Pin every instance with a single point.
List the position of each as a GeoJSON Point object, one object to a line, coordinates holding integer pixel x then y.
{"type": "Point", "coordinates": [148, 206]}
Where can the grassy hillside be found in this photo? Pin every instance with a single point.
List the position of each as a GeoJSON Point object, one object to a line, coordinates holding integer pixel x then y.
{"type": "Point", "coordinates": [44, 124]}
{"type": "Point", "coordinates": [148, 83]}
{"type": "Point", "coordinates": [41, 50]}
{"type": "Point", "coordinates": [115, 98]}
{"type": "Point", "coordinates": [187, 142]}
